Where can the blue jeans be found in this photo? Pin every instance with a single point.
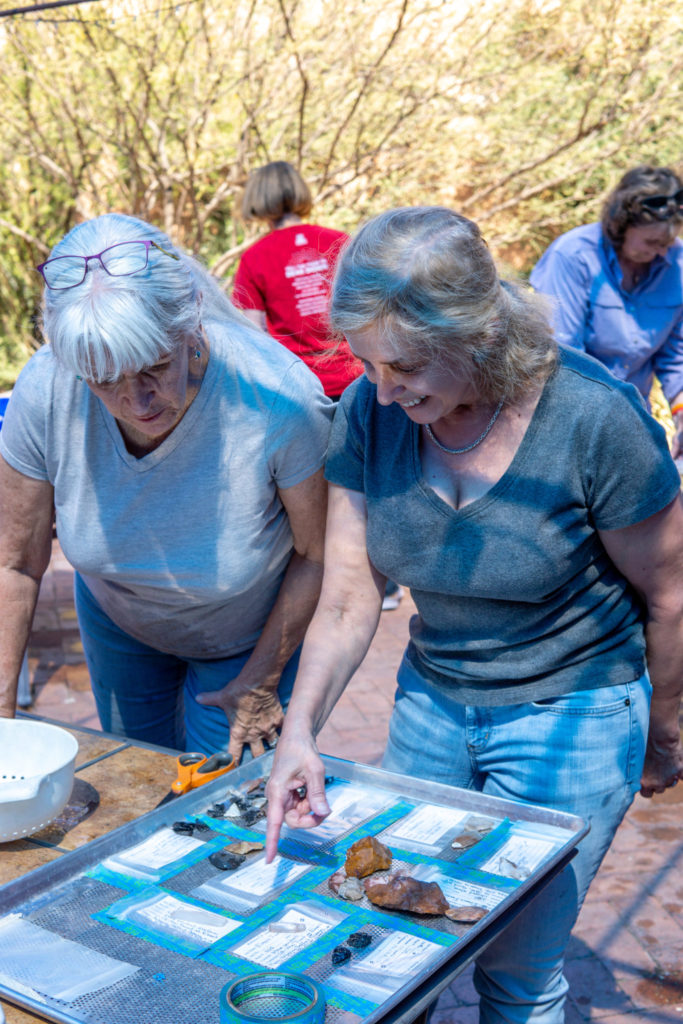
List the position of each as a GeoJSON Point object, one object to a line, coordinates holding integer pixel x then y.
{"type": "Point", "coordinates": [583, 754]}
{"type": "Point", "coordinates": [147, 695]}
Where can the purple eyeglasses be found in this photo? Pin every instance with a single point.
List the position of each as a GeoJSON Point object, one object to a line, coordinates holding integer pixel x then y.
{"type": "Point", "coordinates": [120, 260]}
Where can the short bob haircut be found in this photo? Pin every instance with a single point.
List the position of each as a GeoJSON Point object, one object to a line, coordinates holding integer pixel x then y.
{"type": "Point", "coordinates": [424, 276]}
{"type": "Point", "coordinates": [273, 191]}
{"type": "Point", "coordinates": [108, 326]}
{"type": "Point", "coordinates": [622, 208]}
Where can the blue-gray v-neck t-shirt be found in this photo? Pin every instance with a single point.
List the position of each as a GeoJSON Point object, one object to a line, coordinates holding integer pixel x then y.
{"type": "Point", "coordinates": [516, 597]}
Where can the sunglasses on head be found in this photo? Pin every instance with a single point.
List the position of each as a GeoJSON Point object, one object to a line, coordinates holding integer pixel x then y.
{"type": "Point", "coordinates": [663, 206]}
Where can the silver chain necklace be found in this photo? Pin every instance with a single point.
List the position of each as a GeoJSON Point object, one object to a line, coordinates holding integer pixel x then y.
{"type": "Point", "coordinates": [469, 447]}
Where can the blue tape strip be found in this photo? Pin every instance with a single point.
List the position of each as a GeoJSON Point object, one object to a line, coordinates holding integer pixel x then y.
{"type": "Point", "coordinates": [176, 943]}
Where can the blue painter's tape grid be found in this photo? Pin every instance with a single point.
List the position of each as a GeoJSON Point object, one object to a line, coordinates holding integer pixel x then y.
{"type": "Point", "coordinates": [176, 944]}
{"type": "Point", "coordinates": [376, 825]}
{"type": "Point", "coordinates": [133, 884]}
{"type": "Point", "coordinates": [355, 919]}
{"type": "Point", "coordinates": [487, 846]}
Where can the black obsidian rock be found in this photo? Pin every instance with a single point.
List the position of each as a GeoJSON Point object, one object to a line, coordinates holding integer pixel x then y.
{"type": "Point", "coordinates": [216, 811]}
{"type": "Point", "coordinates": [359, 940]}
{"type": "Point", "coordinates": [225, 861]}
{"type": "Point", "coordinates": [340, 954]}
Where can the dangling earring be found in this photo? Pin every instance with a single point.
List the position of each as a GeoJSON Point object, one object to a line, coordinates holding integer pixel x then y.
{"type": "Point", "coordinates": [198, 353]}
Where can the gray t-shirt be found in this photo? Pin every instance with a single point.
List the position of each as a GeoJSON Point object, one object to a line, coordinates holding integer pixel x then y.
{"type": "Point", "coordinates": [516, 597]}
{"type": "Point", "coordinates": [185, 548]}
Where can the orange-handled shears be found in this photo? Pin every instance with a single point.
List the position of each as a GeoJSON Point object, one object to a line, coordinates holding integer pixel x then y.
{"type": "Point", "coordinates": [196, 769]}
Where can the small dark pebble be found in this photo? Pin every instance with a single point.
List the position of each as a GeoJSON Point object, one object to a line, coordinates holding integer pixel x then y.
{"type": "Point", "coordinates": [225, 861]}
{"type": "Point", "coordinates": [216, 811]}
{"type": "Point", "coordinates": [252, 815]}
{"type": "Point", "coordinates": [201, 826]}
{"type": "Point", "coordinates": [340, 954]}
{"type": "Point", "coordinates": [241, 803]}
{"type": "Point", "coordinates": [183, 828]}
{"type": "Point", "coordinates": [359, 940]}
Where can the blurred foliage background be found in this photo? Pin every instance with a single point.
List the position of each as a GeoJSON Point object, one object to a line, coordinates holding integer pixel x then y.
{"type": "Point", "coordinates": [519, 113]}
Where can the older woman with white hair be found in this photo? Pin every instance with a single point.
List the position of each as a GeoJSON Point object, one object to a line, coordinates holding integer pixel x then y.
{"type": "Point", "coordinates": [531, 505]}
{"type": "Point", "coordinates": [181, 451]}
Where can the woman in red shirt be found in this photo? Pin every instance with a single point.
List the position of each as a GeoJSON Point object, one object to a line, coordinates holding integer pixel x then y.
{"type": "Point", "coordinates": [282, 282]}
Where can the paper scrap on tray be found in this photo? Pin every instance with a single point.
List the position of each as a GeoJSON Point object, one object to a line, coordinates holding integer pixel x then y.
{"type": "Point", "coordinates": [461, 893]}
{"type": "Point", "coordinates": [270, 949]}
{"type": "Point", "coordinates": [518, 857]}
{"type": "Point", "coordinates": [34, 959]}
{"type": "Point", "coordinates": [399, 954]}
{"type": "Point", "coordinates": [259, 878]}
{"type": "Point", "coordinates": [340, 797]}
{"type": "Point", "coordinates": [426, 825]}
{"type": "Point", "coordinates": [160, 849]}
{"type": "Point", "coordinates": [186, 919]}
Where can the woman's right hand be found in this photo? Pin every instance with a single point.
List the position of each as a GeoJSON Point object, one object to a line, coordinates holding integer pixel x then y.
{"type": "Point", "coordinates": [296, 765]}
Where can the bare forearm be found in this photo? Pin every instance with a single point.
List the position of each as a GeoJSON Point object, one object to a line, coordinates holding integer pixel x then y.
{"type": "Point", "coordinates": [19, 595]}
{"type": "Point", "coordinates": [286, 625]}
{"type": "Point", "coordinates": [664, 638]}
{"type": "Point", "coordinates": [336, 643]}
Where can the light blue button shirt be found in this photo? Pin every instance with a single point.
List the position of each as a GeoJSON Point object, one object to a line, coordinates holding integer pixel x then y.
{"type": "Point", "coordinates": [636, 334]}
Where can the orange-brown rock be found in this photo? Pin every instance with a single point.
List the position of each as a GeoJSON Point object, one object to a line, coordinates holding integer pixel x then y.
{"type": "Point", "coordinates": [366, 856]}
{"type": "Point", "coordinates": [466, 915]}
{"type": "Point", "coordinates": [401, 892]}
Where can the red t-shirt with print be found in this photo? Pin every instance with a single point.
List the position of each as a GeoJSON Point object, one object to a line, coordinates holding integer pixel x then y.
{"type": "Point", "coordinates": [287, 275]}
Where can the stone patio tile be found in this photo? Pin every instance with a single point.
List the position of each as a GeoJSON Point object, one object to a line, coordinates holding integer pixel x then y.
{"type": "Point", "coordinates": [593, 989]}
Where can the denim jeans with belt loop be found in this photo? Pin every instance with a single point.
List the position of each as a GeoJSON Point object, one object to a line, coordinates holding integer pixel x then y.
{"type": "Point", "coordinates": [581, 753]}
{"type": "Point", "coordinates": [147, 695]}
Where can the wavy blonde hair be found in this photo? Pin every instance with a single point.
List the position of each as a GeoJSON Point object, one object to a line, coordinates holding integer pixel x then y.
{"type": "Point", "coordinates": [425, 277]}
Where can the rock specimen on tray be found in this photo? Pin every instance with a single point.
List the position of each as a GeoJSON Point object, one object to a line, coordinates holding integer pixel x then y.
{"type": "Point", "coordinates": [359, 940]}
{"type": "Point", "coordinates": [466, 840]}
{"type": "Point", "coordinates": [226, 861]}
{"type": "Point", "coordinates": [340, 954]}
{"type": "Point", "coordinates": [401, 892]}
{"type": "Point", "coordinates": [243, 846]}
{"type": "Point", "coordinates": [347, 888]}
{"type": "Point", "coordinates": [216, 811]}
{"type": "Point", "coordinates": [366, 856]}
{"type": "Point", "coordinates": [466, 915]}
{"type": "Point", "coordinates": [183, 828]}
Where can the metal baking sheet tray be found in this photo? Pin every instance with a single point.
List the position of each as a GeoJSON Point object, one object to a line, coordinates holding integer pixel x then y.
{"type": "Point", "coordinates": [503, 852]}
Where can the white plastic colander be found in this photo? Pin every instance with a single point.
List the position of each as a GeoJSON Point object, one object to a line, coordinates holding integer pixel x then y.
{"type": "Point", "coordinates": [36, 775]}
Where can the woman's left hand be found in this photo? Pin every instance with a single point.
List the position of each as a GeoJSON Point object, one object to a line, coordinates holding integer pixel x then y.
{"type": "Point", "coordinates": [253, 711]}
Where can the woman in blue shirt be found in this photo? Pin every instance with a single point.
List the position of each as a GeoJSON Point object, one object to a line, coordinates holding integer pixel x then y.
{"type": "Point", "coordinates": [618, 285]}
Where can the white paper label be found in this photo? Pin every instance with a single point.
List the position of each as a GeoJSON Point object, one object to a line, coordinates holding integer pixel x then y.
{"type": "Point", "coordinates": [260, 878]}
{"type": "Point", "coordinates": [460, 893]}
{"type": "Point", "coordinates": [160, 849]}
{"type": "Point", "coordinates": [399, 954]}
{"type": "Point", "coordinates": [270, 949]}
{"type": "Point", "coordinates": [518, 857]}
{"type": "Point", "coordinates": [341, 797]}
{"type": "Point", "coordinates": [185, 919]}
{"type": "Point", "coordinates": [427, 824]}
